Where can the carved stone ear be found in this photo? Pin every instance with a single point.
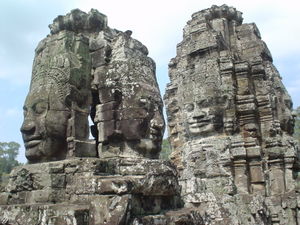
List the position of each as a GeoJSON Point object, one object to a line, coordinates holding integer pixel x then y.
{"type": "Point", "coordinates": [68, 101]}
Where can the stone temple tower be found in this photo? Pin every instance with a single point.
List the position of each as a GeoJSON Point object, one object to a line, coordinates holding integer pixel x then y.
{"type": "Point", "coordinates": [230, 122]}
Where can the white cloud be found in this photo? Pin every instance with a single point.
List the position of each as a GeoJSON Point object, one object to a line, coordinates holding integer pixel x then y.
{"type": "Point", "coordinates": [13, 112]}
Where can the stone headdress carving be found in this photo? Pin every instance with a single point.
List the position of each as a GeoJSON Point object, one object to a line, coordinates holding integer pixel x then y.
{"type": "Point", "coordinates": [61, 77]}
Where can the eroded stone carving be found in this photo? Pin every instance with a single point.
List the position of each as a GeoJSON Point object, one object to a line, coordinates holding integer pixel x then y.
{"type": "Point", "coordinates": [129, 110]}
{"type": "Point", "coordinates": [230, 120]}
{"type": "Point", "coordinates": [89, 191]}
{"type": "Point", "coordinates": [57, 106]}
{"type": "Point", "coordinates": [84, 68]}
{"type": "Point", "coordinates": [84, 56]}
{"type": "Point", "coordinates": [230, 126]}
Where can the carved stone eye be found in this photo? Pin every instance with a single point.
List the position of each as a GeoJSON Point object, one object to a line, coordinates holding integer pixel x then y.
{"type": "Point", "coordinates": [189, 107]}
{"type": "Point", "coordinates": [203, 103]}
{"type": "Point", "coordinates": [40, 107]}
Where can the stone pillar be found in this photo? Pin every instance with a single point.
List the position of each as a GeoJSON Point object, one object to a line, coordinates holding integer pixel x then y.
{"type": "Point", "coordinates": [276, 177]}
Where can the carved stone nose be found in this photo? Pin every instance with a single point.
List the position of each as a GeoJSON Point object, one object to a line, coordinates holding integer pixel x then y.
{"type": "Point", "coordinates": [28, 126]}
{"type": "Point", "coordinates": [199, 114]}
{"type": "Point", "coordinates": [157, 121]}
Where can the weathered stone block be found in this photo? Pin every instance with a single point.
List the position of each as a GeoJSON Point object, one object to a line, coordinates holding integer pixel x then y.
{"type": "Point", "coordinates": [85, 148]}
{"type": "Point", "coordinates": [276, 180]}
{"type": "Point", "coordinates": [256, 172]}
{"type": "Point", "coordinates": [275, 152]}
{"type": "Point", "coordinates": [108, 115]}
{"type": "Point", "coordinates": [210, 42]}
{"type": "Point", "coordinates": [17, 198]}
{"type": "Point", "coordinates": [254, 152]}
{"type": "Point", "coordinates": [240, 176]}
{"type": "Point", "coordinates": [4, 198]}
{"type": "Point", "coordinates": [147, 205]}
{"type": "Point", "coordinates": [60, 214]}
{"type": "Point", "coordinates": [99, 42]}
{"type": "Point", "coordinates": [45, 196]}
{"type": "Point", "coordinates": [98, 58]}
{"type": "Point", "coordinates": [114, 209]}
{"type": "Point", "coordinates": [108, 128]}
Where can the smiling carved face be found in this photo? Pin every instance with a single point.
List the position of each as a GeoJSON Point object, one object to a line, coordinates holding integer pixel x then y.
{"type": "Point", "coordinates": [152, 123]}
{"type": "Point", "coordinates": [135, 118]}
{"type": "Point", "coordinates": [45, 124]}
{"type": "Point", "coordinates": [203, 117]}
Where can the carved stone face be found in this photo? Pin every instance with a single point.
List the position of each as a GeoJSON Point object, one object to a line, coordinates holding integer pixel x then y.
{"type": "Point", "coordinates": [44, 126]}
{"type": "Point", "coordinates": [290, 124]}
{"type": "Point", "coordinates": [154, 124]}
{"type": "Point", "coordinates": [134, 118]}
{"type": "Point", "coordinates": [287, 116]}
{"type": "Point", "coordinates": [129, 114]}
{"type": "Point", "coordinates": [203, 117]}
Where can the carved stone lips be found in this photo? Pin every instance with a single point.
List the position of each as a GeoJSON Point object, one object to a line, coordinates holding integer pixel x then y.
{"type": "Point", "coordinates": [32, 141]}
{"type": "Point", "coordinates": [199, 123]}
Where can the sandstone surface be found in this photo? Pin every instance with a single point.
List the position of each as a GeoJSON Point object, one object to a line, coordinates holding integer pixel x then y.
{"type": "Point", "coordinates": [230, 123]}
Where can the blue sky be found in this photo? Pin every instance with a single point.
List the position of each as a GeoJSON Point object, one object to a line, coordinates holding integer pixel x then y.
{"type": "Point", "coordinates": [156, 23]}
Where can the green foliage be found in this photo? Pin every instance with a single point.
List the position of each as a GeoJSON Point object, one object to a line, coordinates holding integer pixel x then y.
{"type": "Point", "coordinates": [165, 149]}
{"type": "Point", "coordinates": [8, 154]}
{"type": "Point", "coordinates": [297, 124]}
